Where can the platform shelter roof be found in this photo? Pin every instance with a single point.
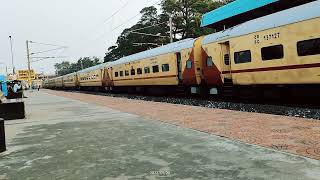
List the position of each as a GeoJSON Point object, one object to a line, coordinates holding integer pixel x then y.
{"type": "Point", "coordinates": [232, 9]}
{"type": "Point", "coordinates": [293, 15]}
{"type": "Point", "coordinates": [241, 11]}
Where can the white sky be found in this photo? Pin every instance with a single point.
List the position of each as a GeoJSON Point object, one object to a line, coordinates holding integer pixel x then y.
{"type": "Point", "coordinates": [78, 24]}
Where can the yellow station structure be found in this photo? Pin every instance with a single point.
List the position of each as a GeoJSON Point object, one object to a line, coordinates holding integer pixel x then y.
{"type": "Point", "coordinates": [23, 75]}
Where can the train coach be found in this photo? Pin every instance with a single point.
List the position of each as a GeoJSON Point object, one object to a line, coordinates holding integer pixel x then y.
{"type": "Point", "coordinates": [70, 81]}
{"type": "Point", "coordinates": [270, 56]}
{"type": "Point", "coordinates": [277, 54]}
{"type": "Point", "coordinates": [91, 78]}
{"type": "Point", "coordinates": [161, 70]}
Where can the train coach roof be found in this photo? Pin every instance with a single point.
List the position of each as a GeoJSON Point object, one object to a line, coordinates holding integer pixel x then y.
{"type": "Point", "coordinates": [74, 73]}
{"type": "Point", "coordinates": [99, 66]}
{"type": "Point", "coordinates": [169, 48]}
{"type": "Point", "coordinates": [293, 15]}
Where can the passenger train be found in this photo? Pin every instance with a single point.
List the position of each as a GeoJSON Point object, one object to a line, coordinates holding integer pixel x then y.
{"type": "Point", "coordinates": [277, 55]}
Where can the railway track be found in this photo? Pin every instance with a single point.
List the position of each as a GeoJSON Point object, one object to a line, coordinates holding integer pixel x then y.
{"type": "Point", "coordinates": [311, 111]}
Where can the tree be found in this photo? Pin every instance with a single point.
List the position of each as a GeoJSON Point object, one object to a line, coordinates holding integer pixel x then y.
{"type": "Point", "coordinates": [186, 15]}
{"type": "Point", "coordinates": [139, 38]}
{"type": "Point", "coordinates": [67, 67]}
{"type": "Point", "coordinates": [62, 68]}
{"type": "Point", "coordinates": [152, 30]}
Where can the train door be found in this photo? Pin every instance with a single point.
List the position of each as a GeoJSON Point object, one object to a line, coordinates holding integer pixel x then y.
{"type": "Point", "coordinates": [108, 78]}
{"type": "Point", "coordinates": [179, 66]}
{"type": "Point", "coordinates": [225, 56]}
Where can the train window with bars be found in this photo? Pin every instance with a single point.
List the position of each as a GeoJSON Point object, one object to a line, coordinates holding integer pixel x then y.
{"type": "Point", "coordinates": [126, 73]}
{"type": "Point", "coordinates": [165, 68]}
{"type": "Point", "coordinates": [121, 73]}
{"type": "Point", "coordinates": [209, 61]}
{"type": "Point", "coordinates": [155, 69]}
{"type": "Point", "coordinates": [242, 57]}
{"type": "Point", "coordinates": [226, 58]}
{"type": "Point", "coordinates": [272, 52]}
{"type": "Point", "coordinates": [116, 74]}
{"type": "Point", "coordinates": [308, 47]}
{"type": "Point", "coordinates": [147, 70]}
{"type": "Point", "coordinates": [189, 64]}
{"type": "Point", "coordinates": [133, 72]}
{"type": "Point", "coordinates": [139, 71]}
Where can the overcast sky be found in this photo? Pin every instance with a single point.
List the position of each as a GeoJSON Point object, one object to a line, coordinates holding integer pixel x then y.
{"type": "Point", "coordinates": [77, 24]}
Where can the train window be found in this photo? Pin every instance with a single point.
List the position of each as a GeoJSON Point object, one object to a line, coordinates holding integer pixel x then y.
{"type": "Point", "coordinates": [209, 61]}
{"type": "Point", "coordinates": [121, 73]}
{"type": "Point", "coordinates": [308, 47]}
{"type": "Point", "coordinates": [165, 68]}
{"type": "Point", "coordinates": [139, 71]}
{"type": "Point", "coordinates": [126, 73]}
{"type": "Point", "coordinates": [272, 52]}
{"type": "Point", "coordinates": [147, 70]}
{"type": "Point", "coordinates": [116, 74]}
{"type": "Point", "coordinates": [226, 58]}
{"type": "Point", "coordinates": [133, 72]}
{"type": "Point", "coordinates": [189, 64]}
{"type": "Point", "coordinates": [155, 69]}
{"type": "Point", "coordinates": [242, 57]}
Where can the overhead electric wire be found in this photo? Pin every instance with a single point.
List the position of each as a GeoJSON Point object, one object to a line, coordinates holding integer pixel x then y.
{"type": "Point", "coordinates": [128, 20]}
{"type": "Point", "coordinates": [43, 58]}
{"type": "Point", "coordinates": [47, 44]}
{"type": "Point", "coordinates": [45, 51]}
{"type": "Point", "coordinates": [112, 15]}
{"type": "Point", "coordinates": [116, 12]}
{"type": "Point", "coordinates": [148, 27]}
{"type": "Point", "coordinates": [125, 22]}
{"type": "Point", "coordinates": [148, 34]}
{"type": "Point", "coordinates": [48, 50]}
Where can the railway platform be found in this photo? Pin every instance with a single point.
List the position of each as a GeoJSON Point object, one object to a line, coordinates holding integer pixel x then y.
{"type": "Point", "coordinates": [65, 136]}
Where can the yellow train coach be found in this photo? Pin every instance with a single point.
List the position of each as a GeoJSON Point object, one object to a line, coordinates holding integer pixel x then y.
{"type": "Point", "coordinates": [163, 67]}
{"type": "Point", "coordinates": [70, 81]}
{"type": "Point", "coordinates": [278, 51]}
{"type": "Point", "coordinates": [58, 82]}
{"type": "Point", "coordinates": [277, 55]}
{"type": "Point", "coordinates": [91, 78]}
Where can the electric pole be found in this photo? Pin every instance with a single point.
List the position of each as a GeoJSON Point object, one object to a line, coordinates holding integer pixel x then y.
{"type": "Point", "coordinates": [29, 66]}
{"type": "Point", "coordinates": [171, 34]}
{"type": "Point", "coordinates": [81, 64]}
{"type": "Point", "coordinates": [13, 68]}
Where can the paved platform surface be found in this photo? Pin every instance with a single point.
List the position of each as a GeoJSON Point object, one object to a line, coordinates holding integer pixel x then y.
{"type": "Point", "coordinates": [289, 134]}
{"type": "Point", "coordinates": [68, 139]}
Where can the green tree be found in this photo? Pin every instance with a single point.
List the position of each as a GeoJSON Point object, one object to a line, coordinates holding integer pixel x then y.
{"type": "Point", "coordinates": [186, 15]}
{"type": "Point", "coordinates": [62, 68]}
{"type": "Point", "coordinates": [66, 67]}
{"type": "Point", "coordinates": [139, 38]}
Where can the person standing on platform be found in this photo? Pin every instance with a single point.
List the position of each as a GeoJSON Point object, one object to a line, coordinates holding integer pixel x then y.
{"type": "Point", "coordinates": [16, 87]}
{"type": "Point", "coordinates": [2, 98]}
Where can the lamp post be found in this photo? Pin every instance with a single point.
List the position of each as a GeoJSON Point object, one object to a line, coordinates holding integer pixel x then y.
{"type": "Point", "coordinates": [13, 68]}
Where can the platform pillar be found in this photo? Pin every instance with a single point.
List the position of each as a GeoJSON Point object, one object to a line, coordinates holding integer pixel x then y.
{"type": "Point", "coordinates": [2, 137]}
